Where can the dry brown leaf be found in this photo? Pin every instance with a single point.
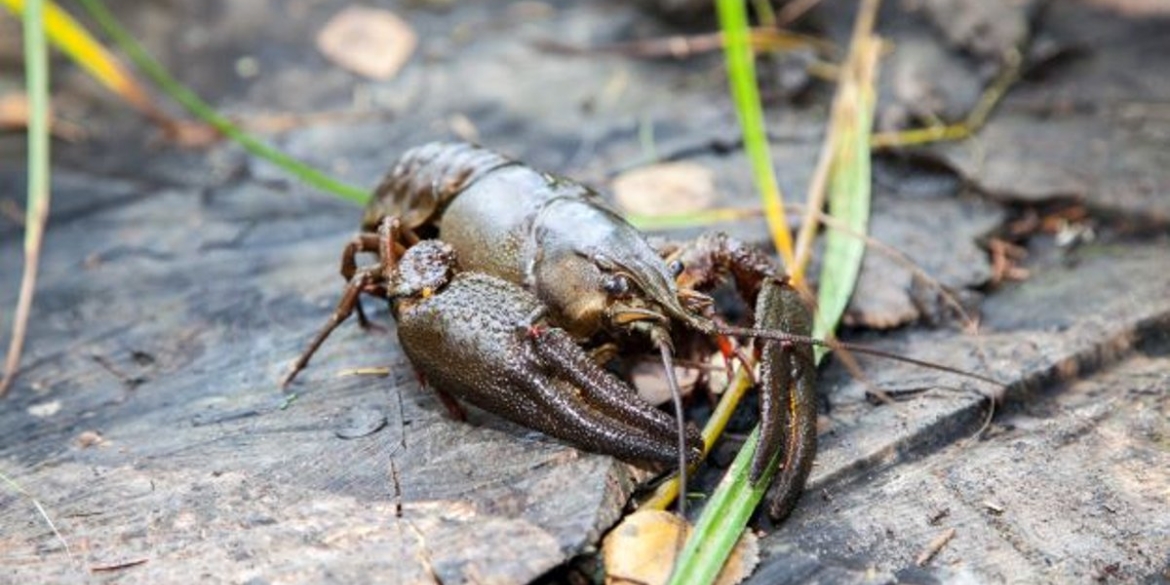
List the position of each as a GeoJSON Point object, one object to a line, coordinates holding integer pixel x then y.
{"type": "Point", "coordinates": [648, 378]}
{"type": "Point", "coordinates": [14, 112]}
{"type": "Point", "coordinates": [665, 189]}
{"type": "Point", "coordinates": [191, 134]}
{"type": "Point", "coordinates": [371, 42]}
{"type": "Point", "coordinates": [643, 547]}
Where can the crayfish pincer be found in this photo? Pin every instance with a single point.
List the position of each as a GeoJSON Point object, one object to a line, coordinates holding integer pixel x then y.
{"type": "Point", "coordinates": [531, 281]}
{"type": "Point", "coordinates": [512, 362]}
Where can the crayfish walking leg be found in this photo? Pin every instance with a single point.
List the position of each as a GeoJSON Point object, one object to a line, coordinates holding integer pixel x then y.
{"type": "Point", "coordinates": [788, 407]}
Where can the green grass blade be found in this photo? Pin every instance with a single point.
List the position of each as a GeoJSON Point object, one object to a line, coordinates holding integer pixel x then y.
{"type": "Point", "coordinates": [44, 514]}
{"type": "Point", "coordinates": [693, 219]}
{"type": "Point", "coordinates": [36, 71]}
{"type": "Point", "coordinates": [68, 36]}
{"type": "Point", "coordinates": [205, 112]}
{"type": "Point", "coordinates": [741, 73]}
{"type": "Point", "coordinates": [36, 67]}
{"type": "Point", "coordinates": [735, 499]}
{"type": "Point", "coordinates": [723, 520]}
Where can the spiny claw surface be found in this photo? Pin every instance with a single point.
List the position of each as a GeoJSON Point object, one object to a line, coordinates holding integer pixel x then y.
{"type": "Point", "coordinates": [788, 405]}
{"type": "Point", "coordinates": [474, 341]}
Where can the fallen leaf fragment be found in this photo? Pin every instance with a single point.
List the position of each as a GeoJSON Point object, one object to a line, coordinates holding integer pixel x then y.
{"type": "Point", "coordinates": [665, 189]}
{"type": "Point", "coordinates": [642, 550]}
{"type": "Point", "coordinates": [14, 111]}
{"type": "Point", "coordinates": [648, 378]}
{"type": "Point", "coordinates": [191, 134]}
{"type": "Point", "coordinates": [371, 42]}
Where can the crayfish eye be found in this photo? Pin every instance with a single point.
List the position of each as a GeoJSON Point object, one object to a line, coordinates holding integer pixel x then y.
{"type": "Point", "coordinates": [675, 268]}
{"type": "Point", "coordinates": [617, 285]}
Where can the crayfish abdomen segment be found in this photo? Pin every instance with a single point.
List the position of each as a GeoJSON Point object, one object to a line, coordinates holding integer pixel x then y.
{"type": "Point", "coordinates": [424, 181]}
{"type": "Point", "coordinates": [482, 340]}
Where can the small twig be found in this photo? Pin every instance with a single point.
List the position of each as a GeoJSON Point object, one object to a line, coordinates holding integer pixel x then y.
{"type": "Point", "coordinates": [201, 109]}
{"type": "Point", "coordinates": [397, 489]}
{"type": "Point", "coordinates": [792, 11]}
{"type": "Point", "coordinates": [934, 547]}
{"type": "Point", "coordinates": [118, 566]}
{"type": "Point", "coordinates": [1005, 258]}
{"type": "Point", "coordinates": [906, 262]}
{"type": "Point", "coordinates": [368, 371]}
{"type": "Point", "coordinates": [685, 46]}
{"type": "Point", "coordinates": [815, 201]}
{"type": "Point", "coordinates": [975, 120]}
{"type": "Point", "coordinates": [40, 510]}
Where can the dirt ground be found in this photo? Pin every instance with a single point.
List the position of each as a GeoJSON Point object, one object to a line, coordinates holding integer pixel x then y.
{"type": "Point", "coordinates": [178, 284]}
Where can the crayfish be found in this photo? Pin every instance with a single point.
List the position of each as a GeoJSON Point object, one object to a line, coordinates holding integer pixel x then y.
{"type": "Point", "coordinates": [512, 288]}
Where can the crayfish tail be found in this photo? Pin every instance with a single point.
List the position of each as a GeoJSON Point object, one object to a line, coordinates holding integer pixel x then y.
{"type": "Point", "coordinates": [425, 179]}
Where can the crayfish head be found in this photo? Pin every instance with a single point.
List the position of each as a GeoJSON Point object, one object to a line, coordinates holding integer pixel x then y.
{"type": "Point", "coordinates": [572, 287]}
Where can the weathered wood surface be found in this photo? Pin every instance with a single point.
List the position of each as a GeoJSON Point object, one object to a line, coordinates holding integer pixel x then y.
{"type": "Point", "coordinates": [176, 287]}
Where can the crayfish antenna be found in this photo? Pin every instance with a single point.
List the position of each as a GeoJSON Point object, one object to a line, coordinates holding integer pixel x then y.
{"type": "Point", "coordinates": [662, 339]}
{"type": "Point", "coordinates": [853, 347]}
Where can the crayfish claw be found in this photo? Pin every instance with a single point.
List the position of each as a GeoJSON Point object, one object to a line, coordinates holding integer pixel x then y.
{"type": "Point", "coordinates": [610, 395]}
{"type": "Point", "coordinates": [788, 405]}
{"type": "Point", "coordinates": [464, 339]}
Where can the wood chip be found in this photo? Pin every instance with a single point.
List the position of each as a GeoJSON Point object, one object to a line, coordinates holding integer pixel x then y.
{"type": "Point", "coordinates": [463, 127]}
{"type": "Point", "coordinates": [370, 42]}
{"type": "Point", "coordinates": [89, 439]}
{"type": "Point", "coordinates": [45, 409]}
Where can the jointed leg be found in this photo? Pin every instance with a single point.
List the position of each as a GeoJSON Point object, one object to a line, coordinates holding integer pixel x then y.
{"type": "Point", "coordinates": [373, 280]}
{"type": "Point", "coordinates": [788, 411]}
{"type": "Point", "coordinates": [713, 257]}
{"type": "Point", "coordinates": [363, 242]}
{"type": "Point", "coordinates": [357, 285]}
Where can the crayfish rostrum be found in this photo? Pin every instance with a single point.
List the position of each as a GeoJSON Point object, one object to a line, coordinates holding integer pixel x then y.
{"type": "Point", "coordinates": [530, 281]}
